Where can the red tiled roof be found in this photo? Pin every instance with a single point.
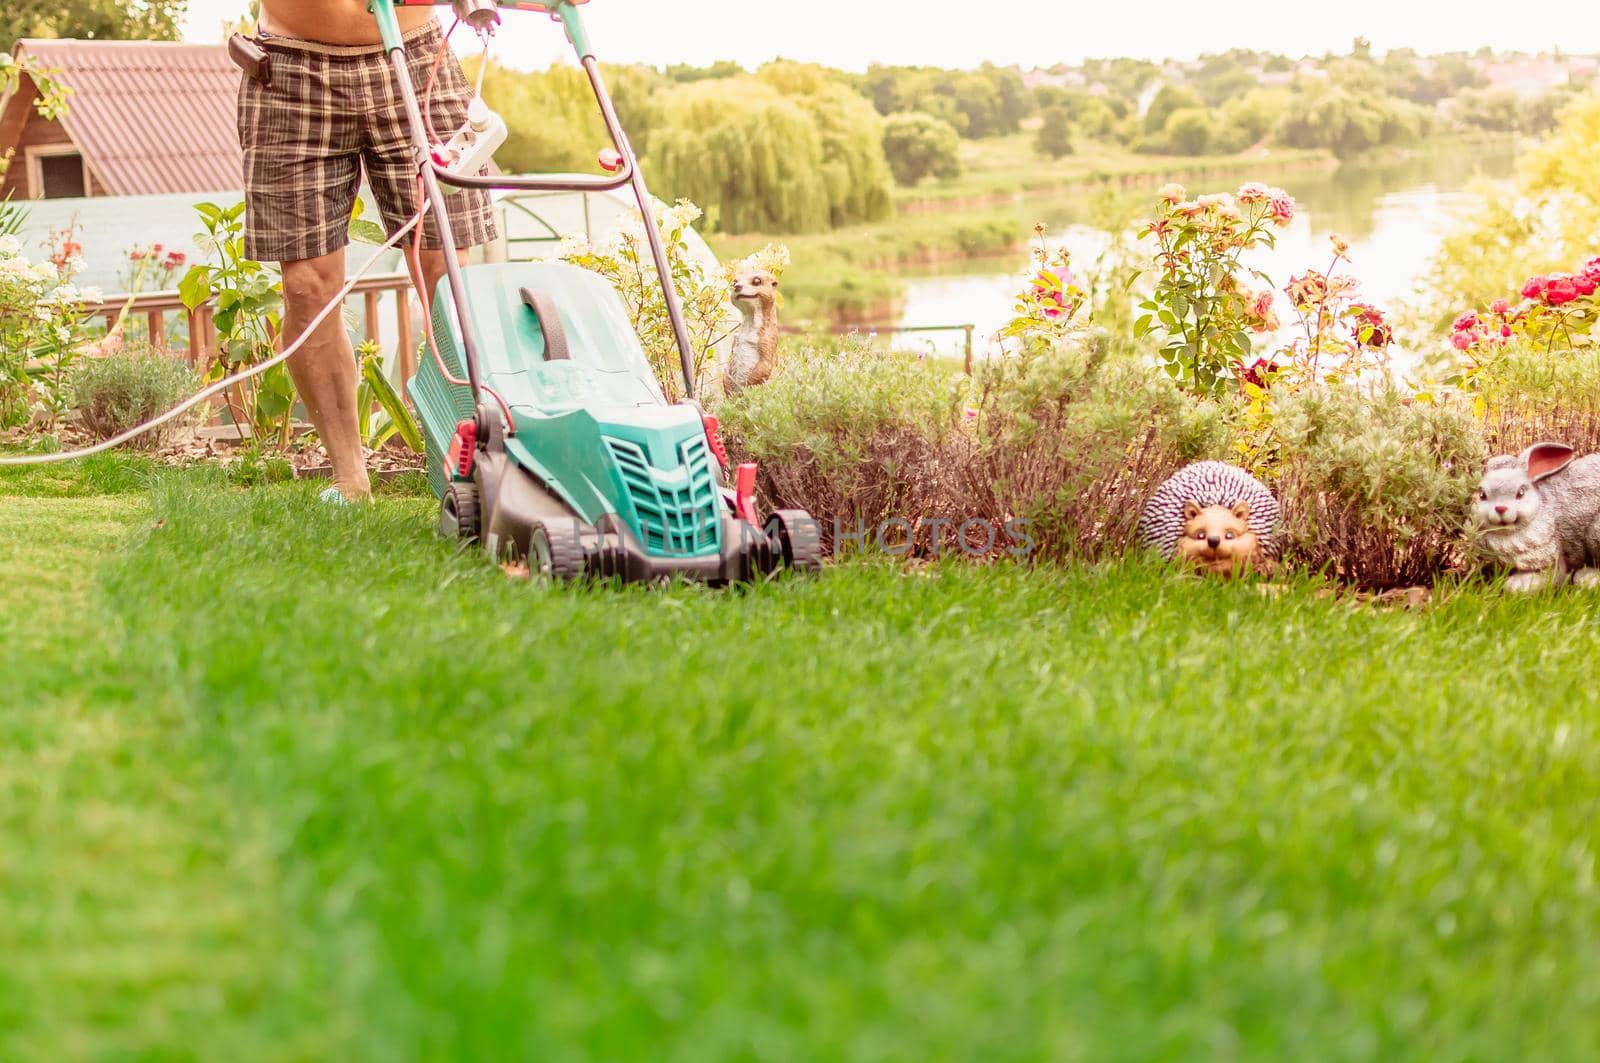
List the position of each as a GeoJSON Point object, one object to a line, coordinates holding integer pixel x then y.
{"type": "Point", "coordinates": [152, 117]}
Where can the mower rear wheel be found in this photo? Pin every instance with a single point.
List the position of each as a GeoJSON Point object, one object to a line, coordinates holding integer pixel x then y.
{"type": "Point", "coordinates": [554, 552]}
{"type": "Point", "coordinates": [460, 514]}
{"type": "Point", "coordinates": [797, 539]}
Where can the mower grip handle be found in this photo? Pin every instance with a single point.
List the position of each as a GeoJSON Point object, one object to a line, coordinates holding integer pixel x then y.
{"type": "Point", "coordinates": [549, 317]}
{"type": "Point", "coordinates": [572, 183]}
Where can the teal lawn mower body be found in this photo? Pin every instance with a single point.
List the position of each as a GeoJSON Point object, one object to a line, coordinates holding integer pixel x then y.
{"type": "Point", "coordinates": [548, 437]}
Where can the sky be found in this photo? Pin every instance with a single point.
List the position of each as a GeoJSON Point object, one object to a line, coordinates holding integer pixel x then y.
{"type": "Point", "coordinates": [854, 33]}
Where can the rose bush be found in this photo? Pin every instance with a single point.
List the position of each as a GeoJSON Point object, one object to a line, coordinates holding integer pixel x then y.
{"type": "Point", "coordinates": [1202, 304]}
{"type": "Point", "coordinates": [1502, 349]}
{"type": "Point", "coordinates": [42, 327]}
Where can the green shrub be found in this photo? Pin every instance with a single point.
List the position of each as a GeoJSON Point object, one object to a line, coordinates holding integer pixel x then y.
{"type": "Point", "coordinates": [1188, 132]}
{"type": "Point", "coordinates": [115, 393]}
{"type": "Point", "coordinates": [1073, 440]}
{"type": "Point", "coordinates": [1374, 486]}
{"type": "Point", "coordinates": [830, 398]}
{"type": "Point", "coordinates": [920, 145]}
{"type": "Point", "coordinates": [853, 433]}
{"type": "Point", "coordinates": [1054, 139]}
{"type": "Point", "coordinates": [1169, 100]}
{"type": "Point", "coordinates": [1524, 378]}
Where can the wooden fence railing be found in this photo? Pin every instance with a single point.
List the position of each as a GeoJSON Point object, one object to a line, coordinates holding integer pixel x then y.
{"type": "Point", "coordinates": [156, 308]}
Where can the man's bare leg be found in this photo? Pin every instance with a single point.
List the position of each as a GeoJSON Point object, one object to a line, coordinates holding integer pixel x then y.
{"type": "Point", "coordinates": [324, 370]}
{"type": "Point", "coordinates": [431, 271]}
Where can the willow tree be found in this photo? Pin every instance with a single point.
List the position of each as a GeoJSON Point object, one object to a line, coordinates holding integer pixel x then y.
{"type": "Point", "coordinates": [750, 156]}
{"type": "Point", "coordinates": [860, 187]}
{"type": "Point", "coordinates": [553, 122]}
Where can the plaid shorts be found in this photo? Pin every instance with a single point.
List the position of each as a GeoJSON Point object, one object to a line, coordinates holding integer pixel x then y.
{"type": "Point", "coordinates": [329, 114]}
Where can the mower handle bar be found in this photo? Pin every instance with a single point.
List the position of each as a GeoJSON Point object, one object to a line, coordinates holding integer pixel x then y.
{"type": "Point", "coordinates": [571, 183]}
{"type": "Point", "coordinates": [628, 173]}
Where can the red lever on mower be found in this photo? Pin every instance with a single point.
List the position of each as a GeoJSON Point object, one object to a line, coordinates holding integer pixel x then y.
{"type": "Point", "coordinates": [744, 493]}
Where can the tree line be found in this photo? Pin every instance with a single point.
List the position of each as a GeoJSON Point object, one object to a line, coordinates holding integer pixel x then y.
{"type": "Point", "coordinates": [797, 147]}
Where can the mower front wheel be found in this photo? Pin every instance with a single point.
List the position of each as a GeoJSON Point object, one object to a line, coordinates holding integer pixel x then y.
{"type": "Point", "coordinates": [554, 552]}
{"type": "Point", "coordinates": [460, 513]}
{"type": "Point", "coordinates": [796, 538]}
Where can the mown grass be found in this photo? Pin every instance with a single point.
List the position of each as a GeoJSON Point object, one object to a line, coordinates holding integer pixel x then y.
{"type": "Point", "coordinates": [347, 794]}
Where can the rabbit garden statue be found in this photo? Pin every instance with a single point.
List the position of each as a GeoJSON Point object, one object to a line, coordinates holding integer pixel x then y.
{"type": "Point", "coordinates": [1540, 514]}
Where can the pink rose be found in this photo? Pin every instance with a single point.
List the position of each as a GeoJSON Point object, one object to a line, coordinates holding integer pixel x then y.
{"type": "Point", "coordinates": [1534, 288]}
{"type": "Point", "coordinates": [1283, 207]}
{"type": "Point", "coordinates": [1254, 192]}
{"type": "Point", "coordinates": [1466, 321]}
{"type": "Point", "coordinates": [1500, 306]}
{"type": "Point", "coordinates": [1461, 341]}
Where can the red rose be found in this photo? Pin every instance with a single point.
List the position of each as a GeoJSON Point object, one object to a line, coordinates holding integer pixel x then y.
{"type": "Point", "coordinates": [1586, 283]}
{"type": "Point", "coordinates": [1560, 291]}
{"type": "Point", "coordinates": [1534, 288]}
{"type": "Point", "coordinates": [1260, 372]}
{"type": "Point", "coordinates": [1466, 321]}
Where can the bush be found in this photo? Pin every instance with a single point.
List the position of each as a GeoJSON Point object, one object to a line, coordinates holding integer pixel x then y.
{"type": "Point", "coordinates": [853, 433]}
{"type": "Point", "coordinates": [1168, 101]}
{"type": "Point", "coordinates": [1074, 440]}
{"type": "Point", "coordinates": [919, 145]}
{"type": "Point", "coordinates": [1054, 139]}
{"type": "Point", "coordinates": [1374, 486]}
{"type": "Point", "coordinates": [117, 392]}
{"type": "Point", "coordinates": [1188, 132]}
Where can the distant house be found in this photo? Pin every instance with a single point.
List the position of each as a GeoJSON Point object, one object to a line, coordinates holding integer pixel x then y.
{"type": "Point", "coordinates": [144, 118]}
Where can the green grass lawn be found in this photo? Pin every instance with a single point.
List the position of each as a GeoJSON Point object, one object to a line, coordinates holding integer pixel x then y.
{"type": "Point", "coordinates": [280, 781]}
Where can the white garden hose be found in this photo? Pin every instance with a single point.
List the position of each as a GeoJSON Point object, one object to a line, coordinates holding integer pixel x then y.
{"type": "Point", "coordinates": [228, 382]}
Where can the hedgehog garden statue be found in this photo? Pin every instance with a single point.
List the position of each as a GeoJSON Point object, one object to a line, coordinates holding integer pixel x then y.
{"type": "Point", "coordinates": [1214, 516]}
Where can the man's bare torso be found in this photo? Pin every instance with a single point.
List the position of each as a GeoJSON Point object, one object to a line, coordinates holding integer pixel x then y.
{"type": "Point", "coordinates": [332, 21]}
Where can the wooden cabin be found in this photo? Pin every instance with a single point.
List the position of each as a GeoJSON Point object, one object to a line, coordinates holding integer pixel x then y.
{"type": "Point", "coordinates": [144, 118]}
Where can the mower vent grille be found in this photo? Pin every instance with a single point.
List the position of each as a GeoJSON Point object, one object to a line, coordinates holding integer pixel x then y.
{"type": "Point", "coordinates": [676, 521]}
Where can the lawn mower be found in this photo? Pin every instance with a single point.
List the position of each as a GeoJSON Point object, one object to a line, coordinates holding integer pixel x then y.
{"type": "Point", "coordinates": [548, 438]}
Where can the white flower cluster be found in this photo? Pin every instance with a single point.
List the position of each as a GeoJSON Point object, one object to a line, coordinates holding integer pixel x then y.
{"type": "Point", "coordinates": [573, 245]}
{"type": "Point", "coordinates": [678, 217]}
{"type": "Point", "coordinates": [774, 259]}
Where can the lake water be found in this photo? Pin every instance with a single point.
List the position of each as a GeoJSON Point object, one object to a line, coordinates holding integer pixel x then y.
{"type": "Point", "coordinates": [1394, 215]}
